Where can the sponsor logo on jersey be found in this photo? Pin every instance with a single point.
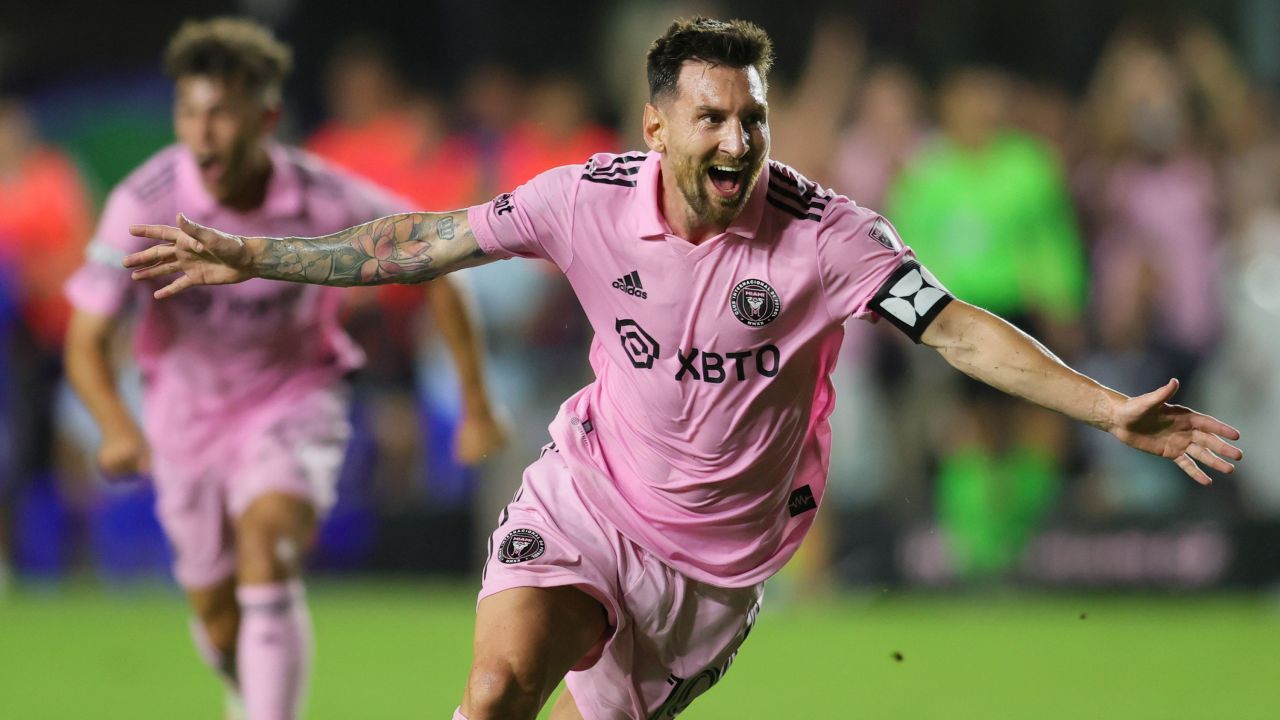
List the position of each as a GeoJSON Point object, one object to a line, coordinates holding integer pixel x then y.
{"type": "Point", "coordinates": [631, 285]}
{"type": "Point", "coordinates": [755, 303]}
{"type": "Point", "coordinates": [639, 345]}
{"type": "Point", "coordinates": [712, 367]}
{"type": "Point", "coordinates": [801, 501]}
{"type": "Point", "coordinates": [696, 364]}
{"type": "Point", "coordinates": [521, 545]}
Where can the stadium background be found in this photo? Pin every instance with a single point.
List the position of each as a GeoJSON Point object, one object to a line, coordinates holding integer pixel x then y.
{"type": "Point", "coordinates": [975, 559]}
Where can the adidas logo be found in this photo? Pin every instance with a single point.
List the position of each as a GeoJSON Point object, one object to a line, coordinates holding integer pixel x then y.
{"type": "Point", "coordinates": [630, 284]}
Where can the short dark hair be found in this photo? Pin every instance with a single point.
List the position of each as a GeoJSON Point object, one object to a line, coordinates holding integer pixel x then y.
{"type": "Point", "coordinates": [735, 43]}
{"type": "Point", "coordinates": [231, 49]}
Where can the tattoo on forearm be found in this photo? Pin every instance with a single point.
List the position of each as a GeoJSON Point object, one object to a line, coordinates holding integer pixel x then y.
{"type": "Point", "coordinates": [444, 228]}
{"type": "Point", "coordinates": [410, 248]}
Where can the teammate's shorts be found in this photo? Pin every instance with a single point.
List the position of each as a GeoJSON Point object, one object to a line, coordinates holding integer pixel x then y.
{"type": "Point", "coordinates": [294, 448]}
{"type": "Point", "coordinates": [670, 637]}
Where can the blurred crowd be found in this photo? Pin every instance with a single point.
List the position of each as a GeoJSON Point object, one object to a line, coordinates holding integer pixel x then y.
{"type": "Point", "coordinates": [1134, 228]}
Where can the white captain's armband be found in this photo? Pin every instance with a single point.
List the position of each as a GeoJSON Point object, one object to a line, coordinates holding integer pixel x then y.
{"type": "Point", "coordinates": [910, 299]}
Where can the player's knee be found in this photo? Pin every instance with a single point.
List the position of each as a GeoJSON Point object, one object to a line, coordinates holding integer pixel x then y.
{"type": "Point", "coordinates": [498, 690]}
{"type": "Point", "coordinates": [264, 554]}
{"type": "Point", "coordinates": [270, 540]}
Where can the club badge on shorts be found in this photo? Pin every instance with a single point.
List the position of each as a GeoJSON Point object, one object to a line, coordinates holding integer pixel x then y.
{"type": "Point", "coordinates": [755, 303]}
{"type": "Point", "coordinates": [521, 545]}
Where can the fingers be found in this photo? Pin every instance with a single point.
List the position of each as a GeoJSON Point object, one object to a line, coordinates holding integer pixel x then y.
{"type": "Point", "coordinates": [1213, 425]}
{"type": "Point", "coordinates": [1209, 459]}
{"type": "Point", "coordinates": [150, 256]}
{"type": "Point", "coordinates": [1192, 470]}
{"type": "Point", "coordinates": [1217, 445]}
{"type": "Point", "coordinates": [156, 271]}
{"type": "Point", "coordinates": [167, 233]}
{"type": "Point", "coordinates": [1160, 395]}
{"type": "Point", "coordinates": [194, 231]}
{"type": "Point", "coordinates": [173, 288]}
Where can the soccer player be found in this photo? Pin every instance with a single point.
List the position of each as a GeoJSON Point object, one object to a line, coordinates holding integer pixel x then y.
{"type": "Point", "coordinates": [245, 406]}
{"type": "Point", "coordinates": [632, 561]}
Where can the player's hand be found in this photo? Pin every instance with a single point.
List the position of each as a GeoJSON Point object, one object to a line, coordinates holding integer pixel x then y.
{"type": "Point", "coordinates": [1190, 439]}
{"type": "Point", "coordinates": [479, 435]}
{"type": "Point", "coordinates": [124, 454]}
{"type": "Point", "coordinates": [202, 256]}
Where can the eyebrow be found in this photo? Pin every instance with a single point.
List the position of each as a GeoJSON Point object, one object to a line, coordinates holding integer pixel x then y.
{"type": "Point", "coordinates": [755, 107]}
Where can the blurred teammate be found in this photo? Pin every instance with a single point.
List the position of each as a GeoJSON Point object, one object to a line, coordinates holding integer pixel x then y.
{"type": "Point", "coordinates": [245, 407]}
{"type": "Point", "coordinates": [718, 281]}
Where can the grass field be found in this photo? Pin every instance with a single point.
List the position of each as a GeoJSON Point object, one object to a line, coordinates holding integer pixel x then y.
{"type": "Point", "coordinates": [401, 651]}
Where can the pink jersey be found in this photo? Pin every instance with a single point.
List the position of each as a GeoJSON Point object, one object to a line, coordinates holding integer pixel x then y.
{"type": "Point", "coordinates": [704, 437]}
{"type": "Point", "coordinates": [212, 352]}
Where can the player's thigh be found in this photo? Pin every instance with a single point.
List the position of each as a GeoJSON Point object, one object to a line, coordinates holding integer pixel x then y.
{"type": "Point", "coordinates": [565, 708]}
{"type": "Point", "coordinates": [271, 535]}
{"type": "Point", "coordinates": [534, 636]}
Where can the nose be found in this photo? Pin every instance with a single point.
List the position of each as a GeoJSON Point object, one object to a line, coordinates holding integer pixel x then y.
{"type": "Point", "coordinates": [736, 141]}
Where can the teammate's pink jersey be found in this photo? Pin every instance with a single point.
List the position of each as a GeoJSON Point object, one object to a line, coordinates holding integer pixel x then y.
{"type": "Point", "coordinates": [211, 352]}
{"type": "Point", "coordinates": [704, 436]}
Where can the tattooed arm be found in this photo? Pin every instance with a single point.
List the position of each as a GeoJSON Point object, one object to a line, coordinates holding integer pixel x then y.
{"type": "Point", "coordinates": [406, 248]}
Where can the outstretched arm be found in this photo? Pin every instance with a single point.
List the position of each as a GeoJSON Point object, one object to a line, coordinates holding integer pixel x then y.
{"type": "Point", "coordinates": [991, 350]}
{"type": "Point", "coordinates": [405, 248]}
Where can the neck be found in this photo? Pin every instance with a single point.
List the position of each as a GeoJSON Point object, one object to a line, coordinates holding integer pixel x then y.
{"type": "Point", "coordinates": [251, 193]}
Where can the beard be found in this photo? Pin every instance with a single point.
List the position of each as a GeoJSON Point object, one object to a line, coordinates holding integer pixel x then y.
{"type": "Point", "coordinates": [708, 207]}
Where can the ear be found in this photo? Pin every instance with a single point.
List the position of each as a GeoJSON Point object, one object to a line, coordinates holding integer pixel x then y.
{"type": "Point", "coordinates": [655, 128]}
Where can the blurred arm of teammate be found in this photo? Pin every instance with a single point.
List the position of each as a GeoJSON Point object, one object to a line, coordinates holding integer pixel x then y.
{"type": "Point", "coordinates": [991, 350]}
{"type": "Point", "coordinates": [479, 431]}
{"type": "Point", "coordinates": [124, 450]}
{"type": "Point", "coordinates": [406, 248]}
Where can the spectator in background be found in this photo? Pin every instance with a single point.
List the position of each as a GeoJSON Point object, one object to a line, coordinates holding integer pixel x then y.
{"type": "Point", "coordinates": [806, 116]}
{"type": "Point", "coordinates": [557, 130]}
{"type": "Point", "coordinates": [44, 218]}
{"type": "Point", "coordinates": [987, 209]}
{"type": "Point", "coordinates": [491, 103]}
{"type": "Point", "coordinates": [887, 127]}
{"type": "Point", "coordinates": [388, 134]}
{"type": "Point", "coordinates": [401, 141]}
{"type": "Point", "coordinates": [1149, 189]}
{"type": "Point", "coordinates": [1243, 374]}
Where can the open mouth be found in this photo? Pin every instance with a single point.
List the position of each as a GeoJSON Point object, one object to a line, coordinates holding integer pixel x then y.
{"type": "Point", "coordinates": [210, 169]}
{"type": "Point", "coordinates": [727, 179]}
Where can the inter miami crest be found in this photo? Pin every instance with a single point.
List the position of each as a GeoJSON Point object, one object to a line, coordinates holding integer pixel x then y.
{"type": "Point", "coordinates": [521, 545]}
{"type": "Point", "coordinates": [755, 303]}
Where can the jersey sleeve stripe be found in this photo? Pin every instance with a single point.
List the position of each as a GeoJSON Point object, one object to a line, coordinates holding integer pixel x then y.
{"type": "Point", "coordinates": [609, 181]}
{"type": "Point", "coordinates": [793, 211]}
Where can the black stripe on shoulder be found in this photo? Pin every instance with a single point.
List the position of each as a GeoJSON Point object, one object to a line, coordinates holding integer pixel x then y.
{"type": "Point", "coordinates": [622, 165]}
{"type": "Point", "coordinates": [624, 158]}
{"type": "Point", "coordinates": [616, 171]}
{"type": "Point", "coordinates": [155, 184]}
{"type": "Point", "coordinates": [792, 211]}
{"type": "Point", "coordinates": [808, 197]}
{"type": "Point", "coordinates": [787, 181]}
{"type": "Point", "coordinates": [609, 180]}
